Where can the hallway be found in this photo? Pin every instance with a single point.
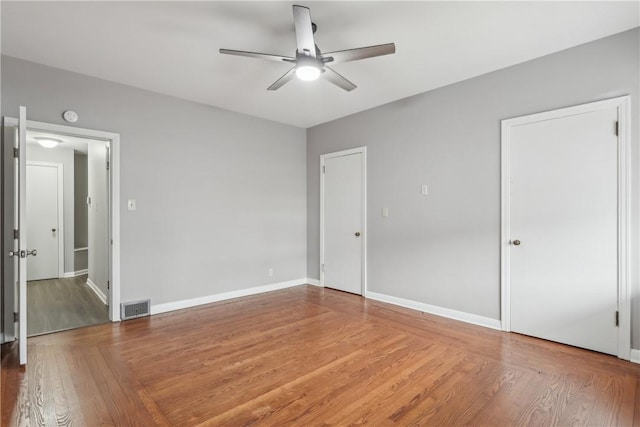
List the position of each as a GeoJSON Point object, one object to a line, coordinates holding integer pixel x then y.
{"type": "Point", "coordinates": [61, 304]}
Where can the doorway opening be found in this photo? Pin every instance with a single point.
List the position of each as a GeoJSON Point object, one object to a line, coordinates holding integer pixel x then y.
{"type": "Point", "coordinates": [15, 225]}
{"type": "Point", "coordinates": [68, 219]}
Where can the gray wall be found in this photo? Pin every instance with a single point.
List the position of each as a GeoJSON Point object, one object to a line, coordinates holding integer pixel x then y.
{"type": "Point", "coordinates": [443, 249]}
{"type": "Point", "coordinates": [80, 199]}
{"type": "Point", "coordinates": [98, 216]}
{"type": "Point", "coordinates": [81, 227]}
{"type": "Point", "coordinates": [221, 196]}
{"type": "Point", "coordinates": [62, 155]}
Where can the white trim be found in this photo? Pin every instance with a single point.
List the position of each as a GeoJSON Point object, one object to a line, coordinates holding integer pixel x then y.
{"type": "Point", "coordinates": [208, 299]}
{"type": "Point", "coordinates": [97, 291]}
{"type": "Point", "coordinates": [624, 213]}
{"type": "Point", "coordinates": [634, 356]}
{"type": "Point", "coordinates": [114, 139]}
{"type": "Point", "coordinates": [60, 170]}
{"type": "Point", "coordinates": [323, 157]}
{"type": "Point", "coordinates": [69, 274]}
{"type": "Point", "coordinates": [314, 282]}
{"type": "Point", "coordinates": [474, 319]}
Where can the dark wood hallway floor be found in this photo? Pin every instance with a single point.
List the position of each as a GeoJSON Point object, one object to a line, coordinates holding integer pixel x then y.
{"type": "Point", "coordinates": [60, 304]}
{"type": "Point", "coordinates": [308, 356]}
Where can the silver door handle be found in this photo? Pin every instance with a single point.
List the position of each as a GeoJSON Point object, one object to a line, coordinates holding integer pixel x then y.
{"type": "Point", "coordinates": [23, 254]}
{"type": "Point", "coordinates": [357, 234]}
{"type": "Point", "coordinates": [516, 242]}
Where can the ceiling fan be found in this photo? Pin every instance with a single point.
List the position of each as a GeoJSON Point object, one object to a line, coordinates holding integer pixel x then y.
{"type": "Point", "coordinates": [309, 62]}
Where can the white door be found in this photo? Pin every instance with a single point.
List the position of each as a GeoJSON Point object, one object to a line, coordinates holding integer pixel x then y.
{"type": "Point", "coordinates": [44, 201]}
{"type": "Point", "coordinates": [343, 221]}
{"type": "Point", "coordinates": [16, 290]}
{"type": "Point", "coordinates": [564, 229]}
{"type": "Point", "coordinates": [10, 280]}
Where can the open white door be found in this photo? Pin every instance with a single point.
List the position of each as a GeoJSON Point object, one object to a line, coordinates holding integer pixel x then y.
{"type": "Point", "coordinates": [20, 251]}
{"type": "Point", "coordinates": [9, 279]}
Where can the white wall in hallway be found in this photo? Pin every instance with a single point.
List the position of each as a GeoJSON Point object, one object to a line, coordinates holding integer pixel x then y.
{"type": "Point", "coordinates": [98, 216]}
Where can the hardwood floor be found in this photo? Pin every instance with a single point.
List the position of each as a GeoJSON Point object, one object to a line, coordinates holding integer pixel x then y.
{"type": "Point", "coordinates": [60, 304]}
{"type": "Point", "coordinates": [309, 356]}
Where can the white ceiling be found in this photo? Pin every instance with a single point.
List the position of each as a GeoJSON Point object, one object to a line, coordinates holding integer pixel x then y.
{"type": "Point", "coordinates": [80, 145]}
{"type": "Point", "coordinates": [172, 47]}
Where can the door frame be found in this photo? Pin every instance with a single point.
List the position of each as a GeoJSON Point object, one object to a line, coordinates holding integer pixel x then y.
{"type": "Point", "coordinates": [622, 103]}
{"type": "Point", "coordinates": [114, 197]}
{"type": "Point", "coordinates": [323, 158]}
{"type": "Point", "coordinates": [60, 171]}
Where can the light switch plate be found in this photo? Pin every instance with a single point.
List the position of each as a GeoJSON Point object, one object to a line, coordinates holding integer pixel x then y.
{"type": "Point", "coordinates": [385, 212]}
{"type": "Point", "coordinates": [425, 190]}
{"type": "Point", "coordinates": [131, 204]}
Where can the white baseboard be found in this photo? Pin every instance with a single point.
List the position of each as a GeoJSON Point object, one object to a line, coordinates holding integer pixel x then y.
{"type": "Point", "coordinates": [97, 291]}
{"type": "Point", "coordinates": [68, 274]}
{"type": "Point", "coordinates": [208, 299]}
{"type": "Point", "coordinates": [438, 311]}
{"type": "Point", "coordinates": [314, 282]}
{"type": "Point", "coordinates": [635, 356]}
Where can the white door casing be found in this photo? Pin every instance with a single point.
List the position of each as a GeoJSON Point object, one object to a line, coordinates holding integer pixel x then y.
{"type": "Point", "coordinates": [565, 201]}
{"type": "Point", "coordinates": [45, 217]}
{"type": "Point", "coordinates": [343, 220]}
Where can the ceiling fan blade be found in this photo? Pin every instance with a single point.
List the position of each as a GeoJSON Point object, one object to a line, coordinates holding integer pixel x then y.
{"type": "Point", "coordinates": [266, 56]}
{"type": "Point", "coordinates": [289, 75]}
{"type": "Point", "coordinates": [304, 31]}
{"type": "Point", "coordinates": [338, 80]}
{"type": "Point", "coordinates": [359, 53]}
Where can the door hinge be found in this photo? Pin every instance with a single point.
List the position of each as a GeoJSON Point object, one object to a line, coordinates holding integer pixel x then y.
{"type": "Point", "coordinates": [107, 164]}
{"type": "Point", "coordinates": [617, 318]}
{"type": "Point", "coordinates": [108, 285]}
{"type": "Point", "coordinates": [617, 128]}
{"type": "Point", "coordinates": [16, 318]}
{"type": "Point", "coordinates": [324, 169]}
{"type": "Point", "coordinates": [16, 234]}
{"type": "Point", "coordinates": [16, 153]}
{"type": "Point", "coordinates": [323, 268]}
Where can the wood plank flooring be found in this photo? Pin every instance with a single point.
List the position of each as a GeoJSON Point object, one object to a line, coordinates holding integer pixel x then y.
{"type": "Point", "coordinates": [60, 304]}
{"type": "Point", "coordinates": [308, 356]}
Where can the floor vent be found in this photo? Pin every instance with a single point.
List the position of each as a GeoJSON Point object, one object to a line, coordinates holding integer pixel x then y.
{"type": "Point", "coordinates": [133, 309]}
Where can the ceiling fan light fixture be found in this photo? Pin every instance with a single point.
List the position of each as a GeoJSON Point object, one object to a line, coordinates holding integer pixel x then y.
{"type": "Point", "coordinates": [307, 73]}
{"type": "Point", "coordinates": [48, 142]}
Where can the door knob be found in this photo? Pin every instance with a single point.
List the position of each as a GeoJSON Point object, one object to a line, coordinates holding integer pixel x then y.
{"type": "Point", "coordinates": [14, 254]}
{"type": "Point", "coordinates": [516, 242]}
{"type": "Point", "coordinates": [357, 234]}
{"type": "Point", "coordinates": [32, 252]}
{"type": "Point", "coordinates": [53, 230]}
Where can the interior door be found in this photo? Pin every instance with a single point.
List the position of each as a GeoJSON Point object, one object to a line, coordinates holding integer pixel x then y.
{"type": "Point", "coordinates": [20, 253]}
{"type": "Point", "coordinates": [43, 197]}
{"type": "Point", "coordinates": [9, 279]}
{"type": "Point", "coordinates": [564, 231]}
{"type": "Point", "coordinates": [343, 222]}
